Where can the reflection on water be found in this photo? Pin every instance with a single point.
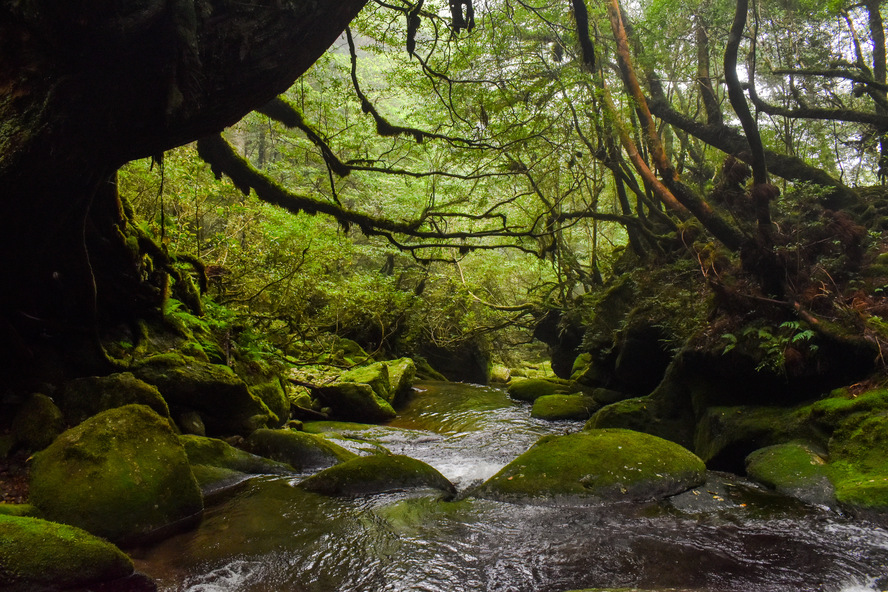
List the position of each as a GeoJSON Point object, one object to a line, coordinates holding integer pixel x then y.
{"type": "Point", "coordinates": [727, 535]}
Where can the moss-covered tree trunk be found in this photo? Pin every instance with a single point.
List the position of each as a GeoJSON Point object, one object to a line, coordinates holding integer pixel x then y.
{"type": "Point", "coordinates": [86, 86]}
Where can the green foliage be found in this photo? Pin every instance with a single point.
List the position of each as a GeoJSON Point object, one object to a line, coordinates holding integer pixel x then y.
{"type": "Point", "coordinates": [772, 344]}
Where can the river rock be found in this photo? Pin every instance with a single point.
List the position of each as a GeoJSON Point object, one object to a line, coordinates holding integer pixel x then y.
{"type": "Point", "coordinates": [121, 474]}
{"type": "Point", "coordinates": [859, 464]}
{"type": "Point", "coordinates": [556, 407]}
{"type": "Point", "coordinates": [402, 372]}
{"type": "Point", "coordinates": [216, 463]}
{"type": "Point", "coordinates": [376, 375]}
{"type": "Point", "coordinates": [530, 389]}
{"type": "Point", "coordinates": [38, 422]}
{"type": "Point", "coordinates": [600, 465]}
{"type": "Point", "coordinates": [378, 473]}
{"type": "Point", "coordinates": [300, 450]}
{"type": "Point", "coordinates": [352, 401]}
{"type": "Point", "coordinates": [40, 555]}
{"type": "Point", "coordinates": [795, 470]}
{"type": "Point", "coordinates": [82, 398]}
{"type": "Point", "coordinates": [221, 398]}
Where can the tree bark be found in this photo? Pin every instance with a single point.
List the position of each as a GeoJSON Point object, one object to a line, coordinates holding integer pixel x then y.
{"type": "Point", "coordinates": [86, 86]}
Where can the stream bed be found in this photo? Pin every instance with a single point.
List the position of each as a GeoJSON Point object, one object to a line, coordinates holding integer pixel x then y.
{"type": "Point", "coordinates": [727, 535]}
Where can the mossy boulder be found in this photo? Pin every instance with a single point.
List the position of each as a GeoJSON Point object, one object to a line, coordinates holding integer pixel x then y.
{"type": "Point", "coordinates": [795, 470]}
{"type": "Point", "coordinates": [223, 400]}
{"type": "Point", "coordinates": [556, 407]}
{"type": "Point", "coordinates": [646, 414]}
{"type": "Point", "coordinates": [530, 389]}
{"type": "Point", "coordinates": [300, 450]}
{"type": "Point", "coordinates": [598, 465]}
{"type": "Point", "coordinates": [38, 422]}
{"type": "Point", "coordinates": [216, 463]}
{"type": "Point", "coordinates": [380, 473]}
{"type": "Point", "coordinates": [121, 474]}
{"type": "Point", "coordinates": [859, 463]}
{"type": "Point", "coordinates": [376, 375]}
{"type": "Point", "coordinates": [354, 401]}
{"type": "Point", "coordinates": [82, 398]}
{"type": "Point", "coordinates": [17, 510]}
{"type": "Point", "coordinates": [37, 555]}
{"type": "Point", "coordinates": [500, 374]}
{"type": "Point", "coordinates": [273, 394]}
{"type": "Point", "coordinates": [402, 373]}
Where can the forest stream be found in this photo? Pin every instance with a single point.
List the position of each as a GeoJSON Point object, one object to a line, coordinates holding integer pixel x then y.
{"type": "Point", "coordinates": [728, 535]}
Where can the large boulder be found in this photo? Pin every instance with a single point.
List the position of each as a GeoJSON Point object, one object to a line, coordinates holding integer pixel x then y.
{"type": "Point", "coordinates": [402, 372]}
{"type": "Point", "coordinates": [795, 470]}
{"type": "Point", "coordinates": [556, 407]}
{"type": "Point", "coordinates": [354, 401]}
{"type": "Point", "coordinates": [376, 375]}
{"type": "Point", "coordinates": [299, 450]}
{"type": "Point", "coordinates": [41, 555]}
{"type": "Point", "coordinates": [121, 474]}
{"type": "Point", "coordinates": [599, 465]}
{"type": "Point", "coordinates": [216, 464]}
{"type": "Point", "coordinates": [82, 398]}
{"type": "Point", "coordinates": [223, 400]}
{"type": "Point", "coordinates": [38, 422]}
{"type": "Point", "coordinates": [379, 473]}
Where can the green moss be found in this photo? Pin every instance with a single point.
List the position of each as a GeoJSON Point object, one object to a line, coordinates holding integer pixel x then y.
{"type": "Point", "coordinates": [322, 427]}
{"type": "Point", "coordinates": [531, 389]}
{"type": "Point", "coordinates": [298, 449]}
{"type": "Point", "coordinates": [376, 375]}
{"type": "Point", "coordinates": [17, 510]}
{"type": "Point", "coordinates": [859, 467]}
{"type": "Point", "coordinates": [37, 423]}
{"type": "Point", "coordinates": [355, 402]}
{"type": "Point", "coordinates": [215, 462]}
{"type": "Point", "coordinates": [367, 475]}
{"type": "Point", "coordinates": [85, 397]}
{"type": "Point", "coordinates": [603, 465]}
{"type": "Point", "coordinates": [792, 469]}
{"type": "Point", "coordinates": [120, 474]}
{"type": "Point", "coordinates": [37, 554]}
{"type": "Point", "coordinates": [555, 407]}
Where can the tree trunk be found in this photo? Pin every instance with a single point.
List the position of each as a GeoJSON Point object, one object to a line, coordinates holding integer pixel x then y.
{"type": "Point", "coordinates": [86, 87]}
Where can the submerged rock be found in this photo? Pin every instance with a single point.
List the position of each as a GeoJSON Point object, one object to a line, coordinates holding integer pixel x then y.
{"type": "Point", "coordinates": [600, 465]}
{"type": "Point", "coordinates": [298, 449]}
{"type": "Point", "coordinates": [555, 407]}
{"type": "Point", "coordinates": [121, 474]}
{"type": "Point", "coordinates": [378, 473]}
{"type": "Point", "coordinates": [37, 555]}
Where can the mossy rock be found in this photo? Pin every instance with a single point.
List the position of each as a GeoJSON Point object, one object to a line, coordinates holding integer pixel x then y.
{"type": "Point", "coordinates": [38, 422]}
{"type": "Point", "coordinates": [18, 510]}
{"type": "Point", "coordinates": [793, 469]}
{"type": "Point", "coordinates": [557, 407]}
{"type": "Point", "coordinates": [216, 463]}
{"type": "Point", "coordinates": [274, 396]}
{"type": "Point", "coordinates": [598, 465]}
{"type": "Point", "coordinates": [37, 554]}
{"type": "Point", "coordinates": [300, 450]}
{"type": "Point", "coordinates": [223, 400]}
{"type": "Point", "coordinates": [402, 373]}
{"type": "Point", "coordinates": [859, 463]}
{"type": "Point", "coordinates": [352, 401]}
{"type": "Point", "coordinates": [727, 435]}
{"type": "Point", "coordinates": [121, 474]}
{"type": "Point", "coordinates": [376, 375]}
{"type": "Point", "coordinates": [643, 414]}
{"type": "Point", "coordinates": [367, 475]}
{"type": "Point", "coordinates": [84, 397]}
{"type": "Point", "coordinates": [609, 396]}
{"type": "Point", "coordinates": [530, 389]}
{"type": "Point", "coordinates": [500, 374]}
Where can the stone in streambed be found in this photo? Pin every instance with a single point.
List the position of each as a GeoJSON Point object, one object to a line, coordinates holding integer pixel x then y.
{"type": "Point", "coordinates": [600, 465]}
{"type": "Point", "coordinates": [380, 473]}
{"type": "Point", "coordinates": [298, 449]}
{"type": "Point", "coordinates": [555, 407]}
{"type": "Point", "coordinates": [530, 389]}
{"type": "Point", "coordinates": [216, 464]}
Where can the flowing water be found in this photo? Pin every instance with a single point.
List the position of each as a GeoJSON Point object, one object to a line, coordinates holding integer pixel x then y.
{"type": "Point", "coordinates": [728, 535]}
